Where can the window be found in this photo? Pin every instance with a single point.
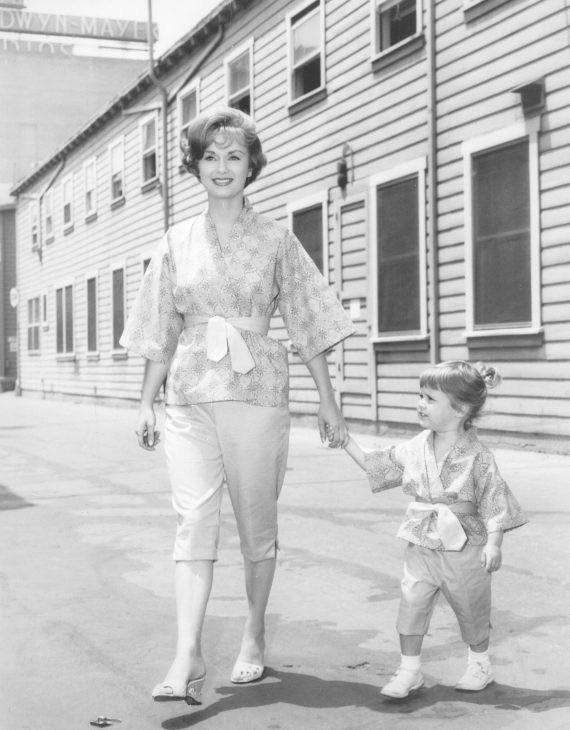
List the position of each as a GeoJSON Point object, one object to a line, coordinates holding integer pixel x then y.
{"type": "Point", "coordinates": [67, 203]}
{"type": "Point", "coordinates": [35, 233]}
{"type": "Point", "coordinates": [399, 258]}
{"type": "Point", "coordinates": [306, 51]}
{"type": "Point", "coordinates": [117, 171]}
{"type": "Point", "coordinates": [502, 231]}
{"type": "Point", "coordinates": [239, 81]}
{"type": "Point", "coordinates": [145, 265]}
{"type": "Point", "coordinates": [118, 294]}
{"type": "Point", "coordinates": [34, 324]}
{"type": "Point", "coordinates": [308, 221]}
{"type": "Point", "coordinates": [92, 345]}
{"type": "Point", "coordinates": [45, 321]}
{"type": "Point", "coordinates": [48, 215]}
{"type": "Point", "coordinates": [394, 22]}
{"type": "Point", "coordinates": [148, 149]}
{"type": "Point", "coordinates": [90, 180]}
{"type": "Point", "coordinates": [187, 109]}
{"type": "Point", "coordinates": [64, 319]}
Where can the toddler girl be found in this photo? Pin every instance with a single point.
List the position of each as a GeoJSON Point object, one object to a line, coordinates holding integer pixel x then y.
{"type": "Point", "coordinates": [455, 525]}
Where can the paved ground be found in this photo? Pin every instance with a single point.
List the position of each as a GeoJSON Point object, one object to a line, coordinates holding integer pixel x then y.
{"type": "Point", "coordinates": [86, 597]}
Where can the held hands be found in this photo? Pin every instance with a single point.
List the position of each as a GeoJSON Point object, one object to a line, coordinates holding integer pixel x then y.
{"type": "Point", "coordinates": [491, 557]}
{"type": "Point", "coordinates": [147, 436]}
{"type": "Point", "coordinates": [332, 426]}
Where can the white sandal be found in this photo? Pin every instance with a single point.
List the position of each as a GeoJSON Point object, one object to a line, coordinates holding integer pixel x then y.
{"type": "Point", "coordinates": [245, 672]}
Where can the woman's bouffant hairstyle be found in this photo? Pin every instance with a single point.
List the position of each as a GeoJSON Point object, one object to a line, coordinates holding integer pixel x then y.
{"type": "Point", "coordinates": [230, 122]}
{"type": "Point", "coordinates": [463, 383]}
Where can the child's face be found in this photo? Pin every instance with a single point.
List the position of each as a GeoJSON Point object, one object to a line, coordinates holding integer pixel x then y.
{"type": "Point", "coordinates": [437, 412]}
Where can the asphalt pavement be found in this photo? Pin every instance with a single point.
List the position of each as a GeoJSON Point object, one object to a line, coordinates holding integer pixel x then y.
{"type": "Point", "coordinates": [86, 592]}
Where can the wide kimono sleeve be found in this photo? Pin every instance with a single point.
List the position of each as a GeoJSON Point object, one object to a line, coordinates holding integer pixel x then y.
{"type": "Point", "coordinates": [498, 507]}
{"type": "Point", "coordinates": [154, 324]}
{"type": "Point", "coordinates": [313, 316]}
{"type": "Point", "coordinates": [385, 467]}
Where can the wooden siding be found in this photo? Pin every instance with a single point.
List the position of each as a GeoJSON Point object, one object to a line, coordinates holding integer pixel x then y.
{"type": "Point", "coordinates": [381, 112]}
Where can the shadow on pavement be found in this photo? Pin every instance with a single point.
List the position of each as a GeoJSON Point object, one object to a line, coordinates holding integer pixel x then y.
{"type": "Point", "coordinates": [10, 500]}
{"type": "Point", "coordinates": [308, 691]}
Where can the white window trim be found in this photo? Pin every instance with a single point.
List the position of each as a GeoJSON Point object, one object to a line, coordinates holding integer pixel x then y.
{"type": "Point", "coordinates": [153, 116]}
{"type": "Point", "coordinates": [92, 275]}
{"type": "Point", "coordinates": [240, 50]}
{"type": "Point", "coordinates": [35, 222]}
{"type": "Point", "coordinates": [118, 266]}
{"type": "Point", "coordinates": [86, 164]}
{"type": "Point", "coordinates": [48, 196]}
{"type": "Point", "coordinates": [44, 311]}
{"type": "Point", "coordinates": [120, 141]}
{"type": "Point", "coordinates": [310, 201]}
{"type": "Point", "coordinates": [37, 324]}
{"type": "Point", "coordinates": [527, 128]}
{"type": "Point", "coordinates": [68, 180]}
{"type": "Point", "coordinates": [407, 169]}
{"type": "Point", "coordinates": [194, 87]}
{"type": "Point", "coordinates": [289, 24]}
{"type": "Point", "coordinates": [374, 5]}
{"type": "Point", "coordinates": [62, 285]}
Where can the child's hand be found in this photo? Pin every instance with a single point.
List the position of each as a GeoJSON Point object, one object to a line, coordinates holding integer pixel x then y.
{"type": "Point", "coordinates": [491, 558]}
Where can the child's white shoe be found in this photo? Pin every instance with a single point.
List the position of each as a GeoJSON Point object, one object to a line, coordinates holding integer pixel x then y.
{"type": "Point", "coordinates": [402, 683]}
{"type": "Point", "coordinates": [476, 677]}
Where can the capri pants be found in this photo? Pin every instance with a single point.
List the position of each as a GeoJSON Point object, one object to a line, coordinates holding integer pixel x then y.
{"type": "Point", "coordinates": [242, 445]}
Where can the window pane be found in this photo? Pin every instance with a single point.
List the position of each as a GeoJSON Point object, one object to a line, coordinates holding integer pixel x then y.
{"type": "Point", "coordinates": [117, 158]}
{"type": "Point", "coordinates": [239, 73]}
{"type": "Point", "coordinates": [118, 307]}
{"type": "Point", "coordinates": [398, 256]}
{"type": "Point", "coordinates": [146, 263]}
{"type": "Point", "coordinates": [59, 320]}
{"type": "Point", "coordinates": [501, 236]}
{"type": "Point", "coordinates": [308, 227]}
{"type": "Point", "coordinates": [117, 185]}
{"type": "Point", "coordinates": [307, 78]}
{"type": "Point", "coordinates": [396, 23]}
{"type": "Point", "coordinates": [243, 103]}
{"type": "Point", "coordinates": [189, 108]}
{"type": "Point", "coordinates": [69, 319]}
{"type": "Point", "coordinates": [306, 38]}
{"type": "Point", "coordinates": [149, 135]}
{"type": "Point", "coordinates": [149, 166]}
{"type": "Point", "coordinates": [91, 315]}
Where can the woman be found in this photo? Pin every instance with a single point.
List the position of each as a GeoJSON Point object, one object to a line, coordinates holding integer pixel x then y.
{"type": "Point", "coordinates": [201, 318]}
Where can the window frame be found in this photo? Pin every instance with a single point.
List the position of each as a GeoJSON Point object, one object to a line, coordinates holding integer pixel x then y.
{"type": "Point", "coordinates": [290, 24]}
{"type": "Point", "coordinates": [118, 142]}
{"type": "Point", "coordinates": [375, 52]}
{"type": "Point", "coordinates": [144, 122]}
{"type": "Point", "coordinates": [48, 214]}
{"type": "Point", "coordinates": [67, 199]}
{"type": "Point", "coordinates": [495, 140]}
{"type": "Point", "coordinates": [92, 275]}
{"type": "Point", "coordinates": [192, 88]}
{"type": "Point", "coordinates": [33, 324]}
{"type": "Point", "coordinates": [65, 354]}
{"type": "Point", "coordinates": [44, 305]}
{"type": "Point", "coordinates": [119, 265]}
{"type": "Point", "coordinates": [90, 213]}
{"type": "Point", "coordinates": [35, 225]}
{"type": "Point", "coordinates": [246, 47]}
{"type": "Point", "coordinates": [405, 170]}
{"type": "Point", "coordinates": [310, 201]}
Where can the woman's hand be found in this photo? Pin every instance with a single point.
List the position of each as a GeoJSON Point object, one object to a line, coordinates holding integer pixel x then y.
{"type": "Point", "coordinates": [491, 557]}
{"type": "Point", "coordinates": [332, 426]}
{"type": "Point", "coordinates": [147, 435]}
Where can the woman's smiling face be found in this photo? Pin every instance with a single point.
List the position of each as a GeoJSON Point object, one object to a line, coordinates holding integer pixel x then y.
{"type": "Point", "coordinates": [224, 168]}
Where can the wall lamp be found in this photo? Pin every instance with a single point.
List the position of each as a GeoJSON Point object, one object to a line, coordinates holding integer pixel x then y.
{"type": "Point", "coordinates": [533, 96]}
{"type": "Point", "coordinates": [342, 166]}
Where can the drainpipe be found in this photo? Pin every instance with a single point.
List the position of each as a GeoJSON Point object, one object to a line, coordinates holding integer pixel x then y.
{"type": "Point", "coordinates": [215, 42]}
{"type": "Point", "coordinates": [432, 182]}
{"type": "Point", "coordinates": [164, 113]}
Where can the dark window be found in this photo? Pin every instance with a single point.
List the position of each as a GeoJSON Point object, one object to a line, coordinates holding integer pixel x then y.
{"type": "Point", "coordinates": [501, 236]}
{"type": "Point", "coordinates": [239, 83]}
{"type": "Point", "coordinates": [118, 306]}
{"type": "Point", "coordinates": [149, 150]}
{"type": "Point", "coordinates": [306, 51]}
{"type": "Point", "coordinates": [146, 263]}
{"type": "Point", "coordinates": [92, 315]}
{"type": "Point", "coordinates": [188, 110]}
{"type": "Point", "coordinates": [398, 256]}
{"type": "Point", "coordinates": [117, 190]}
{"type": "Point", "coordinates": [34, 324]}
{"type": "Point", "coordinates": [308, 227]}
{"type": "Point", "coordinates": [64, 319]}
{"type": "Point", "coordinates": [394, 23]}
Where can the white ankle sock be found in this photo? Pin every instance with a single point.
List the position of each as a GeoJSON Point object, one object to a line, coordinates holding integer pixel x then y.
{"type": "Point", "coordinates": [482, 657]}
{"type": "Point", "coordinates": [411, 663]}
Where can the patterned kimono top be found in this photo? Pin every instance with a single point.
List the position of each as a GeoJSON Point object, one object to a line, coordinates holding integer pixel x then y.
{"type": "Point", "coordinates": [262, 267]}
{"type": "Point", "coordinates": [468, 474]}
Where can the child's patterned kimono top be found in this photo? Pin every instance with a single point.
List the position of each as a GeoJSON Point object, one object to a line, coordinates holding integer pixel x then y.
{"type": "Point", "coordinates": [204, 307]}
{"type": "Point", "coordinates": [462, 502]}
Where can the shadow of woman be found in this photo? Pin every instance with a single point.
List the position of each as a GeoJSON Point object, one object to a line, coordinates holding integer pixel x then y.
{"type": "Point", "coordinates": [303, 690]}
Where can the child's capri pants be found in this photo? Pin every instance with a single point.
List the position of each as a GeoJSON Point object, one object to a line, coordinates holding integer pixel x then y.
{"type": "Point", "coordinates": [232, 442]}
{"type": "Point", "coordinates": [459, 576]}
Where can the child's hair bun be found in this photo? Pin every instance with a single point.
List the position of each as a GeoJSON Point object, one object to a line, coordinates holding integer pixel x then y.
{"type": "Point", "coordinates": [490, 375]}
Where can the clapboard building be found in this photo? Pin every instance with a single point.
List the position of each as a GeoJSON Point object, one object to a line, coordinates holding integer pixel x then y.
{"type": "Point", "coordinates": [419, 149]}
